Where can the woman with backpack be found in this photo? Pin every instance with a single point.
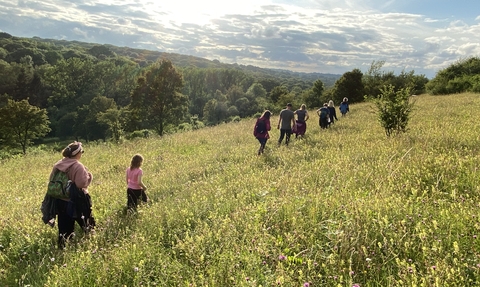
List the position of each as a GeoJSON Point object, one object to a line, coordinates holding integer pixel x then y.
{"type": "Point", "coordinates": [323, 116]}
{"type": "Point", "coordinates": [78, 207]}
{"type": "Point", "coordinates": [262, 126]}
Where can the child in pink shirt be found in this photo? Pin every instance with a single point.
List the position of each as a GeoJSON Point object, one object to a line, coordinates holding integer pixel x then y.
{"type": "Point", "coordinates": [135, 186]}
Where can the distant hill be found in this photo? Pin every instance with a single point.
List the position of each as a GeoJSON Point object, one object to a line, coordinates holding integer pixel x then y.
{"type": "Point", "coordinates": [145, 57]}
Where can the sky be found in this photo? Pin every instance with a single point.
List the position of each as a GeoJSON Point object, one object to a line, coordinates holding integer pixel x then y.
{"type": "Point", "coordinates": [324, 36]}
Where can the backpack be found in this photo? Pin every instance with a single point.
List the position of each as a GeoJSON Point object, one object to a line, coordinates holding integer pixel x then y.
{"type": "Point", "coordinates": [58, 186]}
{"type": "Point", "coordinates": [323, 112]}
{"type": "Point", "coordinates": [260, 127]}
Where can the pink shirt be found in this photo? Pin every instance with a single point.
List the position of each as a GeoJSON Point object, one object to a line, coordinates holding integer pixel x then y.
{"type": "Point", "coordinates": [132, 178]}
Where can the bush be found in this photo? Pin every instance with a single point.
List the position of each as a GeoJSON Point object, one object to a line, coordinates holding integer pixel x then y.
{"type": "Point", "coordinates": [139, 134]}
{"type": "Point", "coordinates": [185, 127]}
{"type": "Point", "coordinates": [394, 109]}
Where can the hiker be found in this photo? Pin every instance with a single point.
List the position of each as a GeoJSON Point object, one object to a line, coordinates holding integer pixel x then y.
{"type": "Point", "coordinates": [323, 114]}
{"type": "Point", "coordinates": [344, 109]}
{"type": "Point", "coordinates": [72, 210]}
{"type": "Point", "coordinates": [262, 126]}
{"type": "Point", "coordinates": [135, 186]}
{"type": "Point", "coordinates": [287, 121]}
{"type": "Point", "coordinates": [301, 123]}
{"type": "Point", "coordinates": [332, 113]}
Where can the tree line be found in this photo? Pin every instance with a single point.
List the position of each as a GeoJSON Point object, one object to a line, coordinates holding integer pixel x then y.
{"type": "Point", "coordinates": [93, 93]}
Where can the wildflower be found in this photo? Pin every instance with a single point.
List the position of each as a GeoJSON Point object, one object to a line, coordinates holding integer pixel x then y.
{"type": "Point", "coordinates": [368, 259]}
{"type": "Point", "coordinates": [352, 273]}
{"type": "Point", "coordinates": [135, 269]}
{"type": "Point", "coordinates": [475, 236]}
{"type": "Point", "coordinates": [247, 278]}
{"type": "Point", "coordinates": [281, 257]}
{"type": "Point", "coordinates": [356, 285]}
{"type": "Point", "coordinates": [306, 284]}
{"type": "Point", "coordinates": [434, 267]}
{"type": "Point", "coordinates": [52, 259]}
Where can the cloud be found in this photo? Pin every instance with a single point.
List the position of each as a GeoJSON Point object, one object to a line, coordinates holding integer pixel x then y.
{"type": "Point", "coordinates": [329, 36]}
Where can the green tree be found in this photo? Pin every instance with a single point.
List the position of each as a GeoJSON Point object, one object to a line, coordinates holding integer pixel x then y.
{"type": "Point", "coordinates": [22, 123]}
{"type": "Point", "coordinates": [256, 90]}
{"type": "Point", "coordinates": [313, 97]}
{"type": "Point", "coordinates": [113, 118]}
{"type": "Point", "coordinates": [277, 92]}
{"type": "Point", "coordinates": [459, 77]}
{"type": "Point", "coordinates": [158, 95]}
{"type": "Point", "coordinates": [350, 85]}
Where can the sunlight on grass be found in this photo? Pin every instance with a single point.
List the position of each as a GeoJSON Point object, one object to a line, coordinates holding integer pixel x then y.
{"type": "Point", "coordinates": [340, 207]}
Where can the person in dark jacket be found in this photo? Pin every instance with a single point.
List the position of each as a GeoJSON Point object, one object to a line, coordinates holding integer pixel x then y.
{"type": "Point", "coordinates": [323, 116]}
{"type": "Point", "coordinates": [261, 129]}
{"type": "Point", "coordinates": [344, 109]}
{"type": "Point", "coordinates": [76, 208]}
{"type": "Point", "coordinates": [332, 113]}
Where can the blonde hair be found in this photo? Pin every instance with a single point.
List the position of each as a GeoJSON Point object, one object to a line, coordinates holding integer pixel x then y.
{"type": "Point", "coordinates": [303, 107]}
{"type": "Point", "coordinates": [330, 103]}
{"type": "Point", "coordinates": [266, 114]}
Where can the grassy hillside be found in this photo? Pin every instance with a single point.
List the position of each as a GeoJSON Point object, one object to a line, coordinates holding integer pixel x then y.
{"type": "Point", "coordinates": [343, 207]}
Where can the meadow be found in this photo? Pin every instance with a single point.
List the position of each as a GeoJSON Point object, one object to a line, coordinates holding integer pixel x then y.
{"type": "Point", "coordinates": [346, 206]}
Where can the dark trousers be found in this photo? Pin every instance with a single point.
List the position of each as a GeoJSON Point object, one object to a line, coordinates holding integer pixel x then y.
{"type": "Point", "coordinates": [324, 123]}
{"type": "Point", "coordinates": [133, 195]}
{"type": "Point", "coordinates": [66, 221]}
{"type": "Point", "coordinates": [263, 143]}
{"type": "Point", "coordinates": [285, 133]}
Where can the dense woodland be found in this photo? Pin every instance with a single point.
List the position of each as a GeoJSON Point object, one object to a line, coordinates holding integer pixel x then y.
{"type": "Point", "coordinates": [69, 89]}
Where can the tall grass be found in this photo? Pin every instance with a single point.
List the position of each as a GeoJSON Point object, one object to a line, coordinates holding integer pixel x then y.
{"type": "Point", "coordinates": [343, 206]}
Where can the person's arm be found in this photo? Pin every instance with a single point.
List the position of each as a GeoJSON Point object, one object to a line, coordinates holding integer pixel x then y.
{"type": "Point", "coordinates": [126, 177]}
{"type": "Point", "coordinates": [140, 182]}
{"type": "Point", "coordinates": [279, 120]}
{"type": "Point", "coordinates": [81, 177]}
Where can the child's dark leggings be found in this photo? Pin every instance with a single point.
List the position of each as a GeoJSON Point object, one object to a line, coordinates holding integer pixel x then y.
{"type": "Point", "coordinates": [133, 195]}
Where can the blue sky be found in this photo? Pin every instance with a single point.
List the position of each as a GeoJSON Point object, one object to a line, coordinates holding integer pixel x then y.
{"type": "Point", "coordinates": [325, 36]}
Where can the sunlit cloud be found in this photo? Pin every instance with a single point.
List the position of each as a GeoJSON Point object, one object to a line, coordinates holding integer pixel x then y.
{"type": "Point", "coordinates": [326, 36]}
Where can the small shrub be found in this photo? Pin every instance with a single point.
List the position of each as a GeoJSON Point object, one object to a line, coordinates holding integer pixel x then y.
{"type": "Point", "coordinates": [185, 127]}
{"type": "Point", "coordinates": [139, 134]}
{"type": "Point", "coordinates": [394, 109]}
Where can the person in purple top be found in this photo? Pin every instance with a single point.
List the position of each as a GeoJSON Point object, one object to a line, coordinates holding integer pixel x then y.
{"type": "Point", "coordinates": [301, 123]}
{"type": "Point", "coordinates": [262, 126]}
